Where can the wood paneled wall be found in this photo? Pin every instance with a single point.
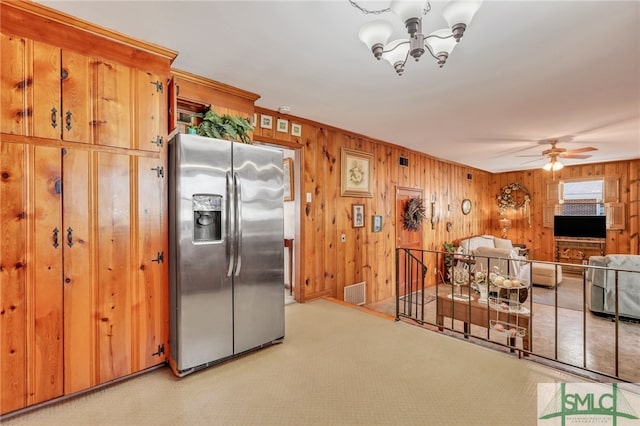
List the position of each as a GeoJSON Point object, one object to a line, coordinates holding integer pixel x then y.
{"type": "Point", "coordinates": [328, 264]}
{"type": "Point", "coordinates": [539, 239]}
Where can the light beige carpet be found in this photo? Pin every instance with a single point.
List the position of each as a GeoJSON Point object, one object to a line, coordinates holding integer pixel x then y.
{"type": "Point", "coordinates": [337, 366]}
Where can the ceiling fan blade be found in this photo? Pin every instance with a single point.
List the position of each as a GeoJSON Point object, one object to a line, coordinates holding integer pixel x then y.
{"type": "Point", "coordinates": [536, 155]}
{"type": "Point", "coordinates": [581, 150]}
{"type": "Point", "coordinates": [578, 156]}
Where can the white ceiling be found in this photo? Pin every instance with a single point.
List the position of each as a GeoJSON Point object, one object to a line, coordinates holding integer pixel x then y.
{"type": "Point", "coordinates": [525, 71]}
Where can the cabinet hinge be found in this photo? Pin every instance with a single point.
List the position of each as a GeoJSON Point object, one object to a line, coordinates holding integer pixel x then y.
{"type": "Point", "coordinates": [159, 170]}
{"type": "Point", "coordinates": [159, 86]}
{"type": "Point", "coordinates": [159, 141]}
{"type": "Point", "coordinates": [159, 258]}
{"type": "Point", "coordinates": [160, 350]}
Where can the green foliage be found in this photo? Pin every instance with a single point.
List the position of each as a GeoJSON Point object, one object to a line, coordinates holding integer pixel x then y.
{"type": "Point", "coordinates": [448, 258]}
{"type": "Point", "coordinates": [224, 126]}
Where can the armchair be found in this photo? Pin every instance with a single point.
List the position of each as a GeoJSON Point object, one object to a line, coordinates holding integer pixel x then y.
{"type": "Point", "coordinates": [601, 289]}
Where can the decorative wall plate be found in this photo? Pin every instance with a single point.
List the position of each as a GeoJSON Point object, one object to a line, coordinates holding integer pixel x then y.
{"type": "Point", "coordinates": [466, 206]}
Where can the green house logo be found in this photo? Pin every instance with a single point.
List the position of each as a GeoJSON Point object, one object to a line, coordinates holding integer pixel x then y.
{"type": "Point", "coordinates": [590, 403]}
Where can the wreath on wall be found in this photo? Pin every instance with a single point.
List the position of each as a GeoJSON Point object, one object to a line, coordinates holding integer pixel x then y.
{"type": "Point", "coordinates": [413, 214]}
{"type": "Point", "coordinates": [506, 198]}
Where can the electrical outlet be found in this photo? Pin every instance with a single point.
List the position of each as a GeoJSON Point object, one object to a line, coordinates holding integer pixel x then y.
{"type": "Point", "coordinates": [343, 238]}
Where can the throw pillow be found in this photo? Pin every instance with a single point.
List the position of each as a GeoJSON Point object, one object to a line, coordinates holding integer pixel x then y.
{"type": "Point", "coordinates": [503, 243]}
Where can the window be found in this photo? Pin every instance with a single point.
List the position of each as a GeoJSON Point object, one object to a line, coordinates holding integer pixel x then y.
{"type": "Point", "coordinates": [582, 198]}
{"type": "Point", "coordinates": [585, 197]}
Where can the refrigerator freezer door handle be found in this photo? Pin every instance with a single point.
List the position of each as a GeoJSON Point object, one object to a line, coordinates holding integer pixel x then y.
{"type": "Point", "coordinates": [229, 214]}
{"type": "Point", "coordinates": [238, 236]}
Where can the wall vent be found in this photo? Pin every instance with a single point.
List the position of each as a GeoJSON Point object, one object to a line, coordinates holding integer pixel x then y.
{"type": "Point", "coordinates": [356, 293]}
{"type": "Point", "coordinates": [404, 161]}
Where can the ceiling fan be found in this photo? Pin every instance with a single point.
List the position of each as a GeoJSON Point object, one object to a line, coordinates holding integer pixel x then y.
{"type": "Point", "coordinates": [555, 152]}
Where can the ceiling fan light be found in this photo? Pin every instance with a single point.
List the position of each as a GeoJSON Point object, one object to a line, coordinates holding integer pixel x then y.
{"type": "Point", "coordinates": [557, 165]}
{"type": "Point", "coordinates": [548, 166]}
{"type": "Point", "coordinates": [375, 32]}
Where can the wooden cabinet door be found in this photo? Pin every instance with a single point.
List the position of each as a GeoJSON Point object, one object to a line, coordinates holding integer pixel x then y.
{"type": "Point", "coordinates": [112, 104]}
{"type": "Point", "coordinates": [76, 78]}
{"type": "Point", "coordinates": [79, 270]}
{"type": "Point", "coordinates": [61, 94]}
{"type": "Point", "coordinates": [113, 273]}
{"type": "Point", "coordinates": [31, 304]}
{"type": "Point", "coordinates": [14, 82]}
{"type": "Point", "coordinates": [150, 301]}
{"type": "Point", "coordinates": [150, 95]}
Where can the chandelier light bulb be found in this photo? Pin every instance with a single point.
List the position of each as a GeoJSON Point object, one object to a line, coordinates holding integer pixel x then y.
{"type": "Point", "coordinates": [396, 53]}
{"type": "Point", "coordinates": [441, 47]}
{"type": "Point", "coordinates": [459, 13]}
{"type": "Point", "coordinates": [410, 11]}
{"type": "Point", "coordinates": [375, 34]}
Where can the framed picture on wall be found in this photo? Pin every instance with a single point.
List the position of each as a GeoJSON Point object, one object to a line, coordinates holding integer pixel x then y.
{"type": "Point", "coordinates": [357, 215]}
{"type": "Point", "coordinates": [282, 125]}
{"type": "Point", "coordinates": [288, 179]}
{"type": "Point", "coordinates": [266, 121]}
{"type": "Point", "coordinates": [356, 173]}
{"type": "Point", "coordinates": [376, 223]}
{"type": "Point", "coordinates": [296, 129]}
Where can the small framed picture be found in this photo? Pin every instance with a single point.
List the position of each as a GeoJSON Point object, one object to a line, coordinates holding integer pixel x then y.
{"type": "Point", "coordinates": [296, 129]}
{"type": "Point", "coordinates": [254, 123]}
{"type": "Point", "coordinates": [283, 126]}
{"type": "Point", "coordinates": [376, 223]}
{"type": "Point", "coordinates": [357, 219]}
{"type": "Point", "coordinates": [266, 121]}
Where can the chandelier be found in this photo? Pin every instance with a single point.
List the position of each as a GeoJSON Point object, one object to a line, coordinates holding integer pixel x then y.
{"type": "Point", "coordinates": [440, 43]}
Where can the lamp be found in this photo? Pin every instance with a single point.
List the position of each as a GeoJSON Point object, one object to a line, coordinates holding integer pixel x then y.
{"type": "Point", "coordinates": [553, 164]}
{"type": "Point", "coordinates": [440, 43]}
{"type": "Point", "coordinates": [505, 224]}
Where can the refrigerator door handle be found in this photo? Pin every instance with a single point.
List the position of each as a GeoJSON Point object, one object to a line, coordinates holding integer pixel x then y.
{"type": "Point", "coordinates": [238, 212]}
{"type": "Point", "coordinates": [229, 223]}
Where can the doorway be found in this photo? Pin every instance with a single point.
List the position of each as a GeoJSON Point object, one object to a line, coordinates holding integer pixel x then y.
{"type": "Point", "coordinates": [406, 238]}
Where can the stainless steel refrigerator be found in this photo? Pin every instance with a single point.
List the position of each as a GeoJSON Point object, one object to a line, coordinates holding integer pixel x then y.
{"type": "Point", "coordinates": [226, 250]}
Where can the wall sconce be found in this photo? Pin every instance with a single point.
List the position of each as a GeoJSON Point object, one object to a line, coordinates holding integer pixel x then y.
{"type": "Point", "coordinates": [505, 224]}
{"type": "Point", "coordinates": [434, 214]}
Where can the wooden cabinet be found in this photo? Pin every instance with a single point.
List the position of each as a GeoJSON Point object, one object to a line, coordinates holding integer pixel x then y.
{"type": "Point", "coordinates": [31, 271]}
{"type": "Point", "coordinates": [46, 91]}
{"type": "Point", "coordinates": [83, 205]}
{"type": "Point", "coordinates": [59, 94]}
{"type": "Point", "coordinates": [84, 279]}
{"type": "Point", "coordinates": [578, 250]}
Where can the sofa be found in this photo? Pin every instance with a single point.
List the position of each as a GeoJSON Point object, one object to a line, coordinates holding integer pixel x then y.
{"type": "Point", "coordinates": [492, 251]}
{"type": "Point", "coordinates": [601, 289]}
